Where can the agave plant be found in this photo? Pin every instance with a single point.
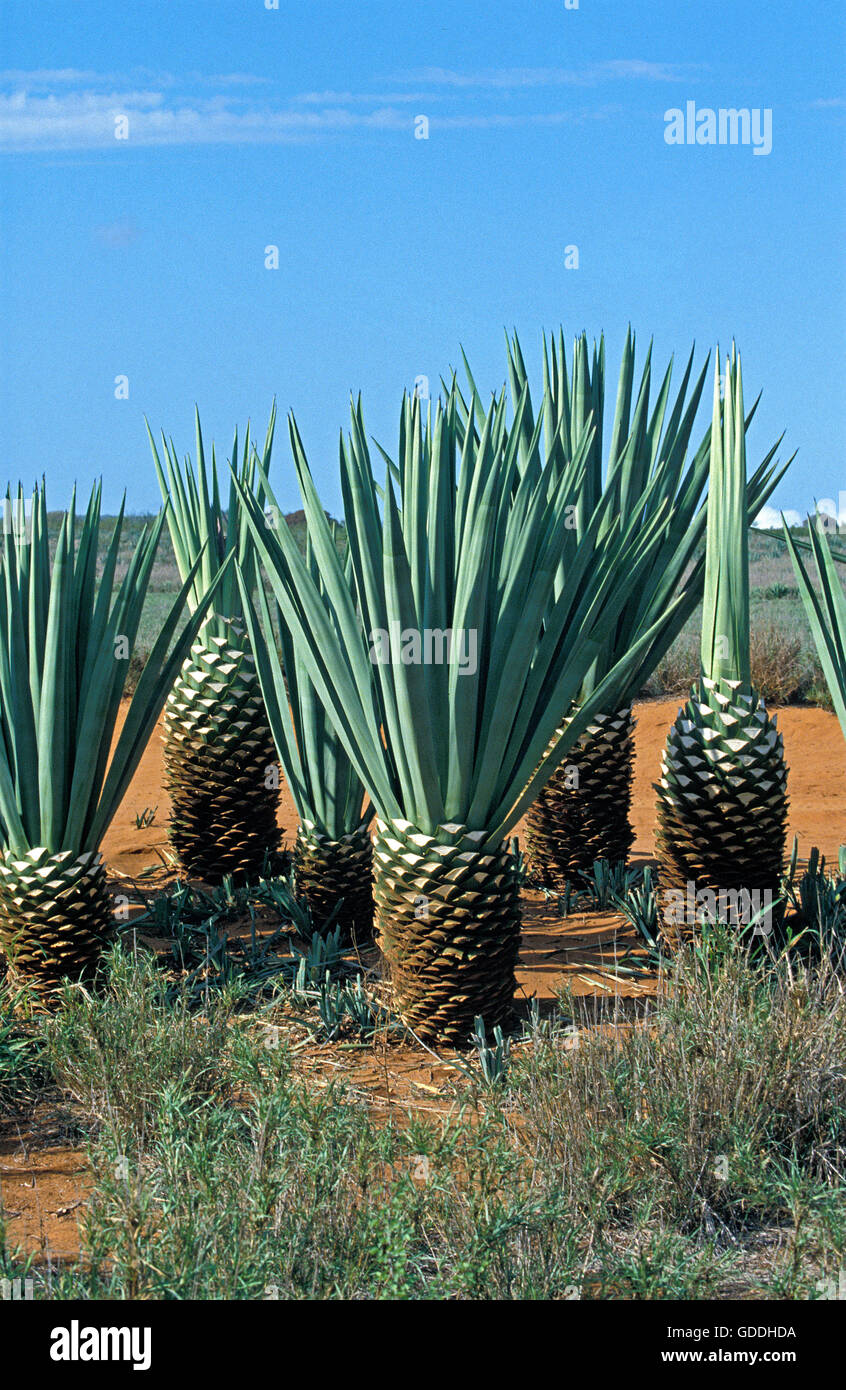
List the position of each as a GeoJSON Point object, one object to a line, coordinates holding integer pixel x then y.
{"type": "Point", "coordinates": [333, 850]}
{"type": "Point", "coordinates": [219, 759]}
{"type": "Point", "coordinates": [583, 812]}
{"type": "Point", "coordinates": [445, 674]}
{"type": "Point", "coordinates": [826, 612]}
{"type": "Point", "coordinates": [722, 797]}
{"type": "Point", "coordinates": [65, 645]}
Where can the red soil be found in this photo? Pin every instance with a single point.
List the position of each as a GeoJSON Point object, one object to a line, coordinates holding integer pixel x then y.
{"type": "Point", "coordinates": [814, 748]}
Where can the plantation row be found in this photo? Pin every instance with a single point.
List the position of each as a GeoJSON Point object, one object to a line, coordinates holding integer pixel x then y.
{"type": "Point", "coordinates": [464, 651]}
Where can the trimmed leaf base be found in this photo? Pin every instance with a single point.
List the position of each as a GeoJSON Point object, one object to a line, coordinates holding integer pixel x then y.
{"type": "Point", "coordinates": [221, 767]}
{"type": "Point", "coordinates": [722, 802]}
{"type": "Point", "coordinates": [56, 915]}
{"type": "Point", "coordinates": [582, 814]}
{"type": "Point", "coordinates": [448, 923]}
{"type": "Point", "coordinates": [326, 870]}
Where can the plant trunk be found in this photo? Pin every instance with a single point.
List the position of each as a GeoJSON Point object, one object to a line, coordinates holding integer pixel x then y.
{"type": "Point", "coordinates": [221, 767]}
{"type": "Point", "coordinates": [582, 813]}
{"type": "Point", "coordinates": [448, 923]}
{"type": "Point", "coordinates": [722, 810]}
{"type": "Point", "coordinates": [328, 870]}
{"type": "Point", "coordinates": [56, 915]}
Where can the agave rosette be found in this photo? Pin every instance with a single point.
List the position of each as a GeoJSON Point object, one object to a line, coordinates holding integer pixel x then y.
{"type": "Point", "coordinates": [826, 611]}
{"type": "Point", "coordinates": [722, 796]}
{"type": "Point", "coordinates": [451, 757]}
{"type": "Point", "coordinates": [65, 644]}
{"type": "Point", "coordinates": [332, 852]}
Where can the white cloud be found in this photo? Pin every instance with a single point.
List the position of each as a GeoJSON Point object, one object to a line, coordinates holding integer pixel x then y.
{"type": "Point", "coordinates": [50, 77]}
{"type": "Point", "coordinates": [331, 98]}
{"type": "Point", "coordinates": [652, 72]}
{"type": "Point", "coordinates": [769, 518]}
{"type": "Point", "coordinates": [499, 120]}
{"type": "Point", "coordinates": [233, 79]}
{"type": "Point", "coordinates": [521, 78]}
{"type": "Point", "coordinates": [87, 121]}
{"type": "Point", "coordinates": [67, 109]}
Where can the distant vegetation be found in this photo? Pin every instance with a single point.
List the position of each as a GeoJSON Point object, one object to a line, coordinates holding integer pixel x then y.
{"type": "Point", "coordinates": [785, 667]}
{"type": "Point", "coordinates": [784, 663]}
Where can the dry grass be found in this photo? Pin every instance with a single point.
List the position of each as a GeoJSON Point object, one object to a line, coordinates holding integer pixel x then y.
{"type": "Point", "coordinates": [699, 1152]}
{"type": "Point", "coordinates": [784, 668]}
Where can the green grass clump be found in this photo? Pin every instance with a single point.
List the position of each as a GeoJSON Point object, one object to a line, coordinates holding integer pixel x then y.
{"type": "Point", "coordinates": [722, 1115]}
{"type": "Point", "coordinates": [700, 1152]}
{"type": "Point", "coordinates": [219, 1176]}
{"type": "Point", "coordinates": [22, 1066]}
{"type": "Point", "coordinates": [785, 668]}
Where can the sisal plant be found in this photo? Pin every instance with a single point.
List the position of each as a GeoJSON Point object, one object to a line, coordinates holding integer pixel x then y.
{"type": "Point", "coordinates": [583, 812]}
{"type": "Point", "coordinates": [444, 673]}
{"type": "Point", "coordinates": [219, 757]}
{"type": "Point", "coordinates": [65, 645]}
{"type": "Point", "coordinates": [826, 611]}
{"type": "Point", "coordinates": [722, 796]}
{"type": "Point", "coordinates": [332, 856]}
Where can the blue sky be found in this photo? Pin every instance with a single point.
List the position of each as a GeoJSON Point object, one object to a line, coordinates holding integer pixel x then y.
{"type": "Point", "coordinates": [250, 127]}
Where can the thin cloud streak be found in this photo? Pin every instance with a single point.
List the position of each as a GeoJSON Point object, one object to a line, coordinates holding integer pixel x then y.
{"type": "Point", "coordinates": [50, 77]}
{"type": "Point", "coordinates": [499, 120]}
{"type": "Point", "coordinates": [46, 77]}
{"type": "Point", "coordinates": [88, 122]}
{"type": "Point", "coordinates": [525, 78]}
{"type": "Point", "coordinates": [43, 113]}
{"type": "Point", "coordinates": [330, 98]}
